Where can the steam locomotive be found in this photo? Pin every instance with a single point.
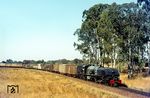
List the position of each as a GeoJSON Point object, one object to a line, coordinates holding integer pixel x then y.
{"type": "Point", "coordinates": [108, 76]}
{"type": "Point", "coordinates": [90, 72]}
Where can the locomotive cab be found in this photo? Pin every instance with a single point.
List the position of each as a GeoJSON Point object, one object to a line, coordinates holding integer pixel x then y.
{"type": "Point", "coordinates": [111, 77]}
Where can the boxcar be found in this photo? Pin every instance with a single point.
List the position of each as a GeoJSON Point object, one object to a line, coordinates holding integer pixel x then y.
{"type": "Point", "coordinates": [71, 69]}
{"type": "Point", "coordinates": [47, 67]}
{"type": "Point", "coordinates": [51, 67]}
{"type": "Point", "coordinates": [56, 68]}
{"type": "Point", "coordinates": [62, 68]}
{"type": "Point", "coordinates": [11, 65]}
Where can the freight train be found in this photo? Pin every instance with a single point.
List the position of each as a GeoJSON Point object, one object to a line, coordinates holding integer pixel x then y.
{"type": "Point", "coordinates": [90, 72]}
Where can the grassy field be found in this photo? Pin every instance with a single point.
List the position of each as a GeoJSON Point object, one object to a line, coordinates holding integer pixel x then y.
{"type": "Point", "coordinates": [139, 83]}
{"type": "Point", "coordinates": [40, 84]}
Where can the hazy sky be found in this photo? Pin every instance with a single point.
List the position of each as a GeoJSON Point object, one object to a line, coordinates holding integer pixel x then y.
{"type": "Point", "coordinates": [41, 29]}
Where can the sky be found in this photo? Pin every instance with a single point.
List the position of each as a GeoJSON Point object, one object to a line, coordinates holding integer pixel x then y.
{"type": "Point", "coordinates": [42, 29]}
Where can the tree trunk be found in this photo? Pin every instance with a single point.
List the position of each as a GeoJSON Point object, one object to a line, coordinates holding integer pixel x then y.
{"type": "Point", "coordinates": [114, 58]}
{"type": "Point", "coordinates": [100, 59]}
{"type": "Point", "coordinates": [112, 63]}
{"type": "Point", "coordinates": [130, 67]}
{"type": "Point", "coordinates": [148, 51]}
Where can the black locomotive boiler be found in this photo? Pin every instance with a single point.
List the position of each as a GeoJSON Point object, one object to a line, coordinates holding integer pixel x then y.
{"type": "Point", "coordinates": [108, 76]}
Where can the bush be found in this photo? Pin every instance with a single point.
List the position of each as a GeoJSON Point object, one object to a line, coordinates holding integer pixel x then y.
{"type": "Point", "coordinates": [107, 60]}
{"type": "Point", "coordinates": [122, 67]}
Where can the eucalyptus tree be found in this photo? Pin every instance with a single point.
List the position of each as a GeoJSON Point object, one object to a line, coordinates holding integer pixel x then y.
{"type": "Point", "coordinates": [134, 37]}
{"type": "Point", "coordinates": [113, 31]}
{"type": "Point", "coordinates": [87, 36]}
{"type": "Point", "coordinates": [146, 4]}
{"type": "Point", "coordinates": [109, 29]}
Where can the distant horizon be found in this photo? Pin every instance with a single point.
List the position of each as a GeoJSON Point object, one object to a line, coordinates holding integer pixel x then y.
{"type": "Point", "coordinates": [42, 29]}
{"type": "Point", "coordinates": [42, 59]}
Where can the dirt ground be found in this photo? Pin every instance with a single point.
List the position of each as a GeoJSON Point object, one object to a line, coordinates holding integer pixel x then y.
{"type": "Point", "coordinates": [139, 83]}
{"type": "Point", "coordinates": [37, 84]}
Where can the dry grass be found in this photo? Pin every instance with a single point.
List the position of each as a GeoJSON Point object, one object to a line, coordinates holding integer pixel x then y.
{"type": "Point", "coordinates": [139, 83]}
{"type": "Point", "coordinates": [39, 84]}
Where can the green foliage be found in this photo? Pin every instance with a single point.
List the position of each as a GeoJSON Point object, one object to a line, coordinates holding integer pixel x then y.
{"type": "Point", "coordinates": [9, 61]}
{"type": "Point", "coordinates": [146, 4]}
{"type": "Point", "coordinates": [121, 67]}
{"type": "Point", "coordinates": [40, 62]}
{"type": "Point", "coordinates": [117, 32]}
{"type": "Point", "coordinates": [107, 60]}
{"type": "Point", "coordinates": [77, 61]}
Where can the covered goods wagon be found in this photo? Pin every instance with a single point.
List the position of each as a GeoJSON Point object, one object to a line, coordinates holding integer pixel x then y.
{"type": "Point", "coordinates": [48, 67]}
{"type": "Point", "coordinates": [11, 65]}
{"type": "Point", "coordinates": [62, 68]}
{"type": "Point", "coordinates": [56, 68]}
{"type": "Point", "coordinates": [71, 69]}
{"type": "Point", "coordinates": [51, 67]}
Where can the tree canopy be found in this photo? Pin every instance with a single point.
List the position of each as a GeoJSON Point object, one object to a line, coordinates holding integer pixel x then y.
{"type": "Point", "coordinates": [113, 32]}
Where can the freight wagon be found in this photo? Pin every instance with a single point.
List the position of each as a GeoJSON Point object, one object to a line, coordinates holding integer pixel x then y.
{"type": "Point", "coordinates": [62, 69]}
{"type": "Point", "coordinates": [10, 65]}
{"type": "Point", "coordinates": [71, 70]}
{"type": "Point", "coordinates": [67, 69]}
{"type": "Point", "coordinates": [56, 68]}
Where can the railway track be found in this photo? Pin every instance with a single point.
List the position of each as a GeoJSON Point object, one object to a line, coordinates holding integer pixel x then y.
{"type": "Point", "coordinates": [123, 91]}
